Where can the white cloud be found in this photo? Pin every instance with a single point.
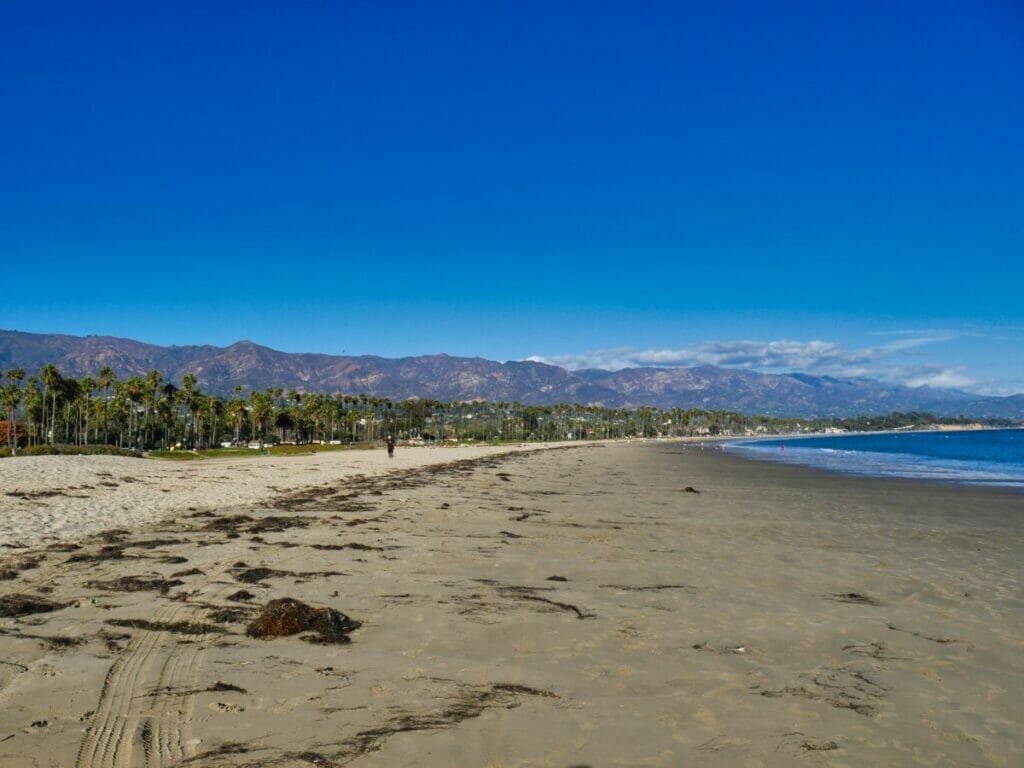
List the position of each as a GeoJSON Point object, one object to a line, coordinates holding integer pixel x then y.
{"type": "Point", "coordinates": [783, 354]}
{"type": "Point", "coordinates": [818, 357]}
{"type": "Point", "coordinates": [936, 376]}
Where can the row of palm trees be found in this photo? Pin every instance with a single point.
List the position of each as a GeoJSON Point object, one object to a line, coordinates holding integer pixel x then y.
{"type": "Point", "coordinates": [149, 412]}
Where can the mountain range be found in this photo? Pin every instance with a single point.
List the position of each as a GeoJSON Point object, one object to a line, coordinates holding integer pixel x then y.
{"type": "Point", "coordinates": [442, 377]}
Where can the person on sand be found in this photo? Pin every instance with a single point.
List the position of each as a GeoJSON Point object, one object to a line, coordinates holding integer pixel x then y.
{"type": "Point", "coordinates": [391, 447]}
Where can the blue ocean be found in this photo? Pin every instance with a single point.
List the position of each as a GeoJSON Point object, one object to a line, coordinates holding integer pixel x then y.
{"type": "Point", "coordinates": [984, 457]}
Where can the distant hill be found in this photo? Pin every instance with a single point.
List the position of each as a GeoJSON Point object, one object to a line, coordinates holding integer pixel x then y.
{"type": "Point", "coordinates": [441, 377]}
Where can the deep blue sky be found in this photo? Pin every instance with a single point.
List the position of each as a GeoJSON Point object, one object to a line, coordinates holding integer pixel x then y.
{"type": "Point", "coordinates": [589, 183]}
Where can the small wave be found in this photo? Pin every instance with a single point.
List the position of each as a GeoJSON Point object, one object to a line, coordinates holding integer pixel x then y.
{"type": "Point", "coordinates": [887, 464]}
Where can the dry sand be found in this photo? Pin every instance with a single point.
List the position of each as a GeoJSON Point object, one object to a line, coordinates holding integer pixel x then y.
{"type": "Point", "coordinates": [61, 498]}
{"type": "Point", "coordinates": [560, 608]}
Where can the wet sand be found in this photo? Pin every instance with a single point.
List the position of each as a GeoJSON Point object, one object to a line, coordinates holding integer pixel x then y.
{"type": "Point", "coordinates": [559, 608]}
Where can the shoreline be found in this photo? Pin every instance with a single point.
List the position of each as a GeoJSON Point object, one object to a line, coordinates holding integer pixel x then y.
{"type": "Point", "coordinates": [921, 467]}
{"type": "Point", "coordinates": [629, 603]}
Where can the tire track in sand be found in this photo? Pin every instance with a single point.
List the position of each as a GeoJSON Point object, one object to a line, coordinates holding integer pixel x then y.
{"type": "Point", "coordinates": [146, 703]}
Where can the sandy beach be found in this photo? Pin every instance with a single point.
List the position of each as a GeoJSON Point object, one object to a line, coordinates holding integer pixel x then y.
{"type": "Point", "coordinates": [598, 605]}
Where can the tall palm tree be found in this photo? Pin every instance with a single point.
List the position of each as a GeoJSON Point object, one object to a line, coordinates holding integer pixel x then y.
{"type": "Point", "coordinates": [12, 397]}
{"type": "Point", "coordinates": [50, 377]}
{"type": "Point", "coordinates": [261, 409]}
{"type": "Point", "coordinates": [106, 378]}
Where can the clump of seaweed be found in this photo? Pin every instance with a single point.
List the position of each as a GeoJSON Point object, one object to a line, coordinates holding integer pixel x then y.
{"type": "Point", "coordinates": [230, 615]}
{"type": "Point", "coordinates": [278, 523]}
{"type": "Point", "coordinates": [228, 523]}
{"type": "Point", "coordinates": [179, 627]}
{"type": "Point", "coordinates": [351, 545]}
{"type": "Point", "coordinates": [22, 605]}
{"type": "Point", "coordinates": [136, 584]}
{"type": "Point", "coordinates": [153, 543]}
{"type": "Point", "coordinates": [108, 552]}
{"type": "Point", "coordinates": [852, 597]}
{"type": "Point", "coordinates": [287, 616]}
{"type": "Point", "coordinates": [10, 570]}
{"type": "Point", "coordinates": [253, 575]}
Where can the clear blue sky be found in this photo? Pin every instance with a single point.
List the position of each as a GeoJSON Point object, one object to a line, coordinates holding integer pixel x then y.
{"type": "Point", "coordinates": [831, 186]}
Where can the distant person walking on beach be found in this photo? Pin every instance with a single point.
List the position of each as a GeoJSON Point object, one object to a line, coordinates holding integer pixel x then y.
{"type": "Point", "coordinates": [391, 447]}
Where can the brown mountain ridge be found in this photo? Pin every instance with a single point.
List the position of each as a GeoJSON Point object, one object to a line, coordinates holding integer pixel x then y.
{"type": "Point", "coordinates": [447, 378]}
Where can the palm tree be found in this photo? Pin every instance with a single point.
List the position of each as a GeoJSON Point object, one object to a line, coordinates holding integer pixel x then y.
{"type": "Point", "coordinates": [106, 378]}
{"type": "Point", "coordinates": [261, 409]}
{"type": "Point", "coordinates": [87, 385]}
{"type": "Point", "coordinates": [237, 411]}
{"type": "Point", "coordinates": [12, 397]}
{"type": "Point", "coordinates": [50, 377]}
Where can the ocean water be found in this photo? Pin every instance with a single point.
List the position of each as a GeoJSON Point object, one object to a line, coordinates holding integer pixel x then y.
{"type": "Point", "coordinates": [984, 457]}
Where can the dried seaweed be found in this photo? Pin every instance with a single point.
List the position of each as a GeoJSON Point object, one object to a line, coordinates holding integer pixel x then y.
{"type": "Point", "coordinates": [136, 584]}
{"type": "Point", "coordinates": [109, 552]}
{"type": "Point", "coordinates": [178, 627]}
{"type": "Point", "coordinates": [852, 597]}
{"type": "Point", "coordinates": [24, 605]}
{"type": "Point", "coordinates": [287, 616]}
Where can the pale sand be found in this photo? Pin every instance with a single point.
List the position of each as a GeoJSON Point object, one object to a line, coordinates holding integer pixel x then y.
{"type": "Point", "coordinates": [61, 498]}
{"type": "Point", "coordinates": [778, 617]}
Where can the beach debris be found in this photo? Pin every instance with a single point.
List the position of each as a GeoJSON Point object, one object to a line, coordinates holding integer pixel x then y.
{"type": "Point", "coordinates": [287, 616]}
{"type": "Point", "coordinates": [931, 639]}
{"type": "Point", "coordinates": [445, 505]}
{"type": "Point", "coordinates": [64, 547]}
{"type": "Point", "coordinates": [227, 523]}
{"type": "Point", "coordinates": [217, 687]}
{"type": "Point", "coordinates": [253, 575]}
{"type": "Point", "coordinates": [556, 578]}
{"type": "Point", "coordinates": [189, 572]}
{"type": "Point", "coordinates": [845, 687]}
{"type": "Point", "coordinates": [230, 615]}
{"type": "Point", "coordinates": [529, 594]}
{"type": "Point", "coordinates": [690, 489]}
{"type": "Point", "coordinates": [248, 575]}
{"type": "Point", "coordinates": [12, 569]}
{"type": "Point", "coordinates": [136, 584]}
{"type": "Point", "coordinates": [278, 523]}
{"type": "Point", "coordinates": [350, 545]}
{"type": "Point", "coordinates": [223, 749]}
{"type": "Point", "coordinates": [23, 605]}
{"type": "Point", "coordinates": [646, 587]}
{"type": "Point", "coordinates": [872, 650]}
{"type": "Point", "coordinates": [177, 627]}
{"type": "Point", "coordinates": [852, 597]}
{"type": "Point", "coordinates": [363, 520]}
{"type": "Point", "coordinates": [467, 703]}
{"type": "Point", "coordinates": [315, 759]}
{"type": "Point", "coordinates": [704, 646]}
{"type": "Point", "coordinates": [153, 543]}
{"type": "Point", "coordinates": [54, 642]}
{"type": "Point", "coordinates": [819, 746]}
{"type": "Point", "coordinates": [510, 535]}
{"type": "Point", "coordinates": [107, 552]}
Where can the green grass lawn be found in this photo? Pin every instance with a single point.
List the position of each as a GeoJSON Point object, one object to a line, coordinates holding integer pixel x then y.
{"type": "Point", "coordinates": [234, 453]}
